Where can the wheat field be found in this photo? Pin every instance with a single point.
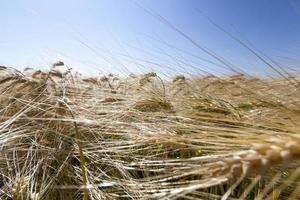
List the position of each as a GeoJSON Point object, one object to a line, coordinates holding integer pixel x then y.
{"type": "Point", "coordinates": [66, 136]}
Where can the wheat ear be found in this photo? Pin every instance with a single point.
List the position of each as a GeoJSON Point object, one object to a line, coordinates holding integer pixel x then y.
{"type": "Point", "coordinates": [257, 160]}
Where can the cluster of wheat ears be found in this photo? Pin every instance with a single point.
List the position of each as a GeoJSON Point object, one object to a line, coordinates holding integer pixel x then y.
{"type": "Point", "coordinates": [65, 136]}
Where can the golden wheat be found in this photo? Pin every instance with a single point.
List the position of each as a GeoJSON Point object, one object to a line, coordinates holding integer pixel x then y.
{"type": "Point", "coordinates": [64, 136]}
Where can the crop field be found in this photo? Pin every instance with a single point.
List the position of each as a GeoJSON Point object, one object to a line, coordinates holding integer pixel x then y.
{"type": "Point", "coordinates": [66, 136]}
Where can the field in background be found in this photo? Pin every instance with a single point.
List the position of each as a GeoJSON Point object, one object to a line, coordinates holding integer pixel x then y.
{"type": "Point", "coordinates": [64, 136]}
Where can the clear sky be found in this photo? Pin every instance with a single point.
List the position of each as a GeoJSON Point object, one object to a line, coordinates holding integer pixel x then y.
{"type": "Point", "coordinates": [123, 36]}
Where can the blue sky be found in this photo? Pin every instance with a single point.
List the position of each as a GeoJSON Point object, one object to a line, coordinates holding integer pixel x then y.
{"type": "Point", "coordinates": [123, 36]}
